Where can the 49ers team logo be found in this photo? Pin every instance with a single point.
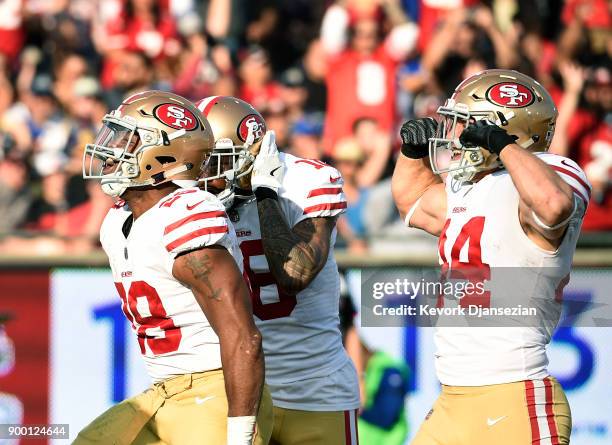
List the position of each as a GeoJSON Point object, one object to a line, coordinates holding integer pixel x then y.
{"type": "Point", "coordinates": [510, 94]}
{"type": "Point", "coordinates": [175, 116]}
{"type": "Point", "coordinates": [251, 124]}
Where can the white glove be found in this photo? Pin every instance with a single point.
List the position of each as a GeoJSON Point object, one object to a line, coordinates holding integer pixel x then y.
{"type": "Point", "coordinates": [268, 171]}
{"type": "Point", "coordinates": [240, 430]}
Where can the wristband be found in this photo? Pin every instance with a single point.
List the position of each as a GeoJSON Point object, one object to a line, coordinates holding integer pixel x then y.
{"type": "Point", "coordinates": [240, 430]}
{"type": "Point", "coordinates": [412, 152]}
{"type": "Point", "coordinates": [262, 193]}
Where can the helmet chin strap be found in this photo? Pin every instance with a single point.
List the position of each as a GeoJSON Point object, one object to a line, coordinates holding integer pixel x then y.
{"type": "Point", "coordinates": [114, 189]}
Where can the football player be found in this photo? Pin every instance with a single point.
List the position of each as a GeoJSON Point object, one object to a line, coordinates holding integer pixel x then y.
{"type": "Point", "coordinates": [284, 209]}
{"type": "Point", "coordinates": [495, 198]}
{"type": "Point", "coordinates": [170, 248]}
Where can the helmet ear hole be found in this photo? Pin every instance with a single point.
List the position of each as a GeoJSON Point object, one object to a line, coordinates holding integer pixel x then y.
{"type": "Point", "coordinates": [165, 159]}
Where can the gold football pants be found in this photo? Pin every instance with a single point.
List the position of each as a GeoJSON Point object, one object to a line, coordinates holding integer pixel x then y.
{"type": "Point", "coordinates": [296, 427]}
{"type": "Point", "coordinates": [519, 413]}
{"type": "Point", "coordinates": [185, 410]}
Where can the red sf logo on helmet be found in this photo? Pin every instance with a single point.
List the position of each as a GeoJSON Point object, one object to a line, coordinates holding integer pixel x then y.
{"type": "Point", "coordinates": [175, 116]}
{"type": "Point", "coordinates": [510, 94]}
{"type": "Point", "coordinates": [252, 125]}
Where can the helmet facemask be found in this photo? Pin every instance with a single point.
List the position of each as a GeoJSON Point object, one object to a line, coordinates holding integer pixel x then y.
{"type": "Point", "coordinates": [448, 155]}
{"type": "Point", "coordinates": [114, 156]}
{"type": "Point", "coordinates": [230, 165]}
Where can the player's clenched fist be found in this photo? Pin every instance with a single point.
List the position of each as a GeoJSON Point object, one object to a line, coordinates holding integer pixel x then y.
{"type": "Point", "coordinates": [486, 135]}
{"type": "Point", "coordinates": [415, 136]}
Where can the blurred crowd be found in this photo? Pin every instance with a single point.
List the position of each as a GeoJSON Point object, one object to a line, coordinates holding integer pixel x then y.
{"type": "Point", "coordinates": [334, 79]}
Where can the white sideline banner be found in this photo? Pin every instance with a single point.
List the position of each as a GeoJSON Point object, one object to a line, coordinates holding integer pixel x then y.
{"type": "Point", "coordinates": [95, 358]}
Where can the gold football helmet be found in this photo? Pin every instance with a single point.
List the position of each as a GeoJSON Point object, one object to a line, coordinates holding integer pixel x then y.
{"type": "Point", "coordinates": [238, 130]}
{"type": "Point", "coordinates": [514, 101]}
{"type": "Point", "coordinates": [151, 138]}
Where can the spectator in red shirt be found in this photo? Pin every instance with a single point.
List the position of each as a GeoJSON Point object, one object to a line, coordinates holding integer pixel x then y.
{"type": "Point", "coordinates": [362, 66]}
{"type": "Point", "coordinates": [432, 14]}
{"type": "Point", "coordinates": [585, 134]}
{"type": "Point", "coordinates": [143, 26]}
{"type": "Point", "coordinates": [593, 13]}
{"type": "Point", "coordinates": [257, 84]}
{"type": "Point", "coordinates": [11, 28]}
{"type": "Point", "coordinates": [586, 34]}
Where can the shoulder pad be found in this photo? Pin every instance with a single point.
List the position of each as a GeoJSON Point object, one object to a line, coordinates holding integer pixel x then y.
{"type": "Point", "coordinates": [570, 172]}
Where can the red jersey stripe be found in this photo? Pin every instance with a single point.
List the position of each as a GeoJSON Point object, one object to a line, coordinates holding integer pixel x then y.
{"type": "Point", "coordinates": [327, 206]}
{"type": "Point", "coordinates": [194, 217]}
{"type": "Point", "coordinates": [325, 191]}
{"type": "Point", "coordinates": [172, 199]}
{"type": "Point", "coordinates": [533, 418]}
{"type": "Point", "coordinates": [442, 254]}
{"type": "Point", "coordinates": [550, 415]}
{"type": "Point", "coordinates": [579, 193]}
{"type": "Point", "coordinates": [195, 234]}
{"type": "Point", "coordinates": [573, 175]}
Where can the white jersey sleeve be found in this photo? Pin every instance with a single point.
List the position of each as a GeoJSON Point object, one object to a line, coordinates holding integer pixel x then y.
{"type": "Point", "coordinates": [571, 173]}
{"type": "Point", "coordinates": [311, 189]}
{"type": "Point", "coordinates": [195, 219]}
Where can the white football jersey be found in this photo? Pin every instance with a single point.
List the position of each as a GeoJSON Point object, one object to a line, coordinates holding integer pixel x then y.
{"type": "Point", "coordinates": [483, 230]}
{"type": "Point", "coordinates": [301, 336]}
{"type": "Point", "coordinates": [173, 333]}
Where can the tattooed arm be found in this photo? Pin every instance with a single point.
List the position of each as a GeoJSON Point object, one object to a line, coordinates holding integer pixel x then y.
{"type": "Point", "coordinates": [297, 255]}
{"type": "Point", "coordinates": [217, 284]}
